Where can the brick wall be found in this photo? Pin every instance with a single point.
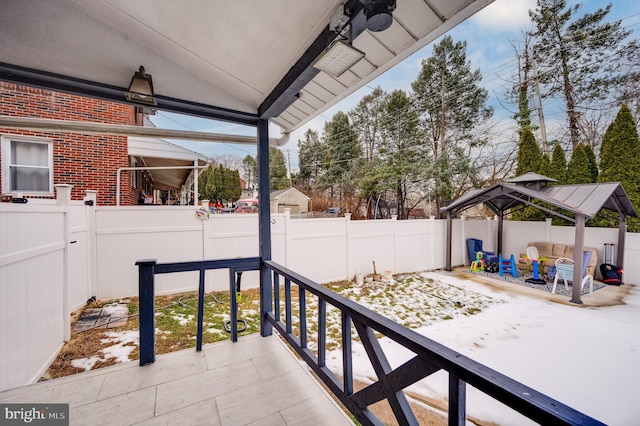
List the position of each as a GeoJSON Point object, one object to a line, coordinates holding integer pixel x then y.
{"type": "Point", "coordinates": [84, 161]}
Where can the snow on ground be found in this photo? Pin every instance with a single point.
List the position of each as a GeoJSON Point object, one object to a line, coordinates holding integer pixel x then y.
{"type": "Point", "coordinates": [124, 342]}
{"type": "Point", "coordinates": [586, 358]}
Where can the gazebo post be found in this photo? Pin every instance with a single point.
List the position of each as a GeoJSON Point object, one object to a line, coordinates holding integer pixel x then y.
{"type": "Point", "coordinates": [622, 233]}
{"type": "Point", "coordinates": [500, 230]}
{"type": "Point", "coordinates": [576, 295]}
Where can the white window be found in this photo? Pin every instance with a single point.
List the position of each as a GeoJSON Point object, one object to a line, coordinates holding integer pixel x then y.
{"type": "Point", "coordinates": [27, 165]}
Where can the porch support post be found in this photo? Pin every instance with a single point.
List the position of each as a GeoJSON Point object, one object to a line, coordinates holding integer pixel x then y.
{"type": "Point", "coordinates": [266, 304]}
{"type": "Point", "coordinates": [577, 260]}
{"type": "Point", "coordinates": [622, 233]}
{"type": "Point", "coordinates": [448, 242]}
{"type": "Point", "coordinates": [146, 295]}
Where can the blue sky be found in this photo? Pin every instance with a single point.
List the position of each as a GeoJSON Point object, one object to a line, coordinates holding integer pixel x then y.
{"type": "Point", "coordinates": [489, 35]}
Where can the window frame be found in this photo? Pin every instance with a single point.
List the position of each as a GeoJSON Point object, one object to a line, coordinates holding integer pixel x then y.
{"type": "Point", "coordinates": [6, 140]}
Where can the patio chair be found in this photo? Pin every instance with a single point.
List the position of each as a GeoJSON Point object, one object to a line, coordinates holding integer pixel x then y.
{"type": "Point", "coordinates": [474, 246]}
{"type": "Point", "coordinates": [564, 272]}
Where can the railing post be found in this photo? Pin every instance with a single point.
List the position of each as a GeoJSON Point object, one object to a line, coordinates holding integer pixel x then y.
{"type": "Point", "coordinates": [457, 401]}
{"type": "Point", "coordinates": [146, 308]}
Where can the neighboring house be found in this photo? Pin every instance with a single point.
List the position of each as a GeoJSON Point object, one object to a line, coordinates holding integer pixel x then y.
{"type": "Point", "coordinates": [289, 198]}
{"type": "Point", "coordinates": [246, 192]}
{"type": "Point", "coordinates": [31, 162]}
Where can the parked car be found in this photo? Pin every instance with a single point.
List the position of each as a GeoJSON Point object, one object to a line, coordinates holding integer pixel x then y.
{"type": "Point", "coordinates": [246, 208]}
{"type": "Point", "coordinates": [332, 211]}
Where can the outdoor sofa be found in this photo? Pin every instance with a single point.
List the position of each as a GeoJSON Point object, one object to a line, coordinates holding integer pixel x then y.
{"type": "Point", "coordinates": [553, 251]}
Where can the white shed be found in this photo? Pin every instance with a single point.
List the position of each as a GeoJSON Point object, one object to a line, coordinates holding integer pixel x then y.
{"type": "Point", "coordinates": [289, 198]}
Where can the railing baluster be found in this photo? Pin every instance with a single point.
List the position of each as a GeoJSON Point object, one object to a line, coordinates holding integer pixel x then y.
{"type": "Point", "coordinates": [287, 301]}
{"type": "Point", "coordinates": [200, 311]}
{"type": "Point", "coordinates": [457, 401]}
{"type": "Point", "coordinates": [276, 296]}
{"type": "Point", "coordinates": [322, 332]}
{"type": "Point", "coordinates": [302, 303]}
{"type": "Point", "coordinates": [234, 305]}
{"type": "Point", "coordinates": [347, 359]}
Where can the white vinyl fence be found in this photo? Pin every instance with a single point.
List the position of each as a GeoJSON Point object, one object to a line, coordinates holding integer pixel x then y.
{"type": "Point", "coordinates": [56, 255]}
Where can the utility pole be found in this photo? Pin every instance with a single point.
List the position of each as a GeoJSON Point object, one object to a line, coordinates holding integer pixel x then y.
{"type": "Point", "coordinates": [536, 85]}
{"type": "Point", "coordinates": [289, 168]}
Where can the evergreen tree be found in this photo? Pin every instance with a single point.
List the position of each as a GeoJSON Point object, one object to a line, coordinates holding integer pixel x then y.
{"type": "Point", "coordinates": [593, 164]}
{"type": "Point", "coordinates": [453, 105]}
{"type": "Point", "coordinates": [578, 168]}
{"type": "Point", "coordinates": [620, 159]}
{"type": "Point", "coordinates": [311, 155]}
{"type": "Point", "coordinates": [545, 165]}
{"type": "Point", "coordinates": [558, 168]}
{"type": "Point", "coordinates": [529, 159]}
{"type": "Point", "coordinates": [206, 186]}
{"type": "Point", "coordinates": [250, 171]}
{"type": "Point", "coordinates": [529, 154]}
{"type": "Point", "coordinates": [570, 50]}
{"type": "Point", "coordinates": [277, 170]}
{"type": "Point", "coordinates": [343, 149]}
{"type": "Point", "coordinates": [400, 150]}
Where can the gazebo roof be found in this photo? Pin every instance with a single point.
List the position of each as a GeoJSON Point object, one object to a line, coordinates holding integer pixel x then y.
{"type": "Point", "coordinates": [586, 199]}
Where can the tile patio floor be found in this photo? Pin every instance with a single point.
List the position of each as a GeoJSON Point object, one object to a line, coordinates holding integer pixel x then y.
{"type": "Point", "coordinates": [256, 381]}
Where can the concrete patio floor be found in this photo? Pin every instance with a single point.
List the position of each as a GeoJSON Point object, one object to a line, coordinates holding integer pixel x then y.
{"type": "Point", "coordinates": [255, 381]}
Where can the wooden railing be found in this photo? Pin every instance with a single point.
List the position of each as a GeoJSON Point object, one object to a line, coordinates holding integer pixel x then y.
{"type": "Point", "coordinates": [278, 304]}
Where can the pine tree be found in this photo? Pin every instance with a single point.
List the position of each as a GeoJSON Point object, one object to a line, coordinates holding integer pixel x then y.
{"type": "Point", "coordinates": [593, 164]}
{"type": "Point", "coordinates": [558, 168]}
{"type": "Point", "coordinates": [343, 151]}
{"type": "Point", "coordinates": [529, 154]}
{"type": "Point", "coordinates": [311, 155]}
{"type": "Point", "coordinates": [571, 50]}
{"type": "Point", "coordinates": [529, 160]}
{"type": "Point", "coordinates": [620, 159]}
{"type": "Point", "coordinates": [277, 170]}
{"type": "Point", "coordinates": [578, 168]}
{"type": "Point", "coordinates": [250, 171]}
{"type": "Point", "coordinates": [453, 105]}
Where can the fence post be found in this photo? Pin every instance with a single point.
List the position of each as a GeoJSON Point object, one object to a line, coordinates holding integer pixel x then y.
{"type": "Point", "coordinates": [146, 295]}
{"type": "Point", "coordinates": [90, 201]}
{"type": "Point", "coordinates": [63, 198]}
{"type": "Point", "coordinates": [347, 239]}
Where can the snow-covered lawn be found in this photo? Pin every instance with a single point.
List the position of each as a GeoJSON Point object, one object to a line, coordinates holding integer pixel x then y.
{"type": "Point", "coordinates": [587, 358]}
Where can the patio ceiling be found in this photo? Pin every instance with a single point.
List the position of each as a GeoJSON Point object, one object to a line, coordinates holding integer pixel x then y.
{"type": "Point", "coordinates": [232, 60]}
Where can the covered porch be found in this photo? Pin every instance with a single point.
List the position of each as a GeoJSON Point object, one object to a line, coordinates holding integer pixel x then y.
{"type": "Point", "coordinates": [248, 63]}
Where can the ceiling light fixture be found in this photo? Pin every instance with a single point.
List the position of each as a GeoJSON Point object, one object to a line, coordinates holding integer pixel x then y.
{"type": "Point", "coordinates": [141, 88]}
{"type": "Point", "coordinates": [379, 14]}
{"type": "Point", "coordinates": [338, 59]}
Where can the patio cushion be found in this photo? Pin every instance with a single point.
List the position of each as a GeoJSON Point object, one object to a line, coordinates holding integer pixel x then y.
{"type": "Point", "coordinates": [558, 250]}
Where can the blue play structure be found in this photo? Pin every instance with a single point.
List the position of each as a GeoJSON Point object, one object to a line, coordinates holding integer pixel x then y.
{"type": "Point", "coordinates": [507, 266]}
